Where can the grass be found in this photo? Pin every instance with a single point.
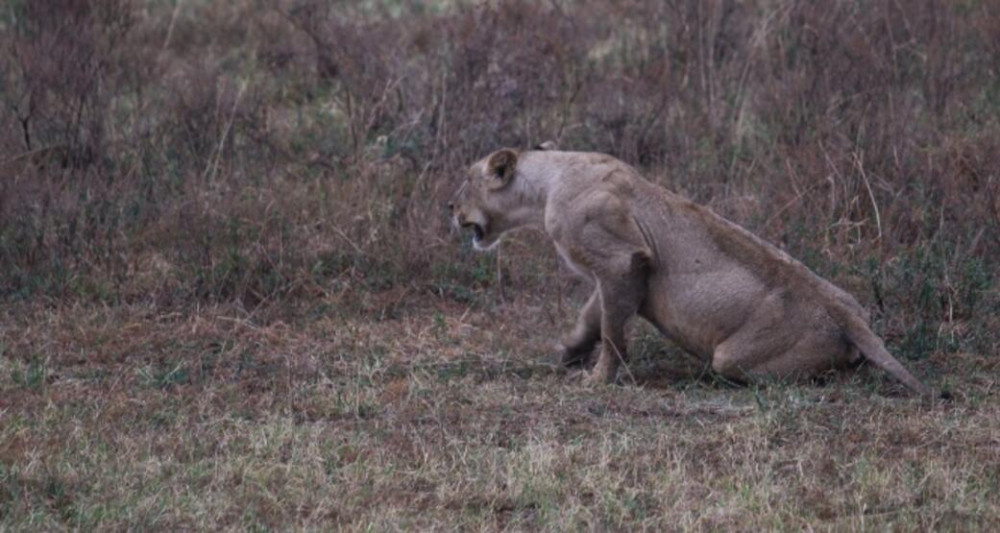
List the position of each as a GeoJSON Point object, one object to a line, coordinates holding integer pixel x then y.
{"type": "Point", "coordinates": [447, 416]}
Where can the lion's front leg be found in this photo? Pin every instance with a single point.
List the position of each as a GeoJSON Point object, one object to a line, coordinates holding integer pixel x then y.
{"type": "Point", "coordinates": [575, 348]}
{"type": "Point", "coordinates": [620, 296]}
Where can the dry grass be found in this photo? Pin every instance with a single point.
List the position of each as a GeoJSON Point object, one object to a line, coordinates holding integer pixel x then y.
{"type": "Point", "coordinates": [230, 299]}
{"type": "Point", "coordinates": [446, 416]}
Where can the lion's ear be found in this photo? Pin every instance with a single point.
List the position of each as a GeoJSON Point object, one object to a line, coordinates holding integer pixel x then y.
{"type": "Point", "coordinates": [547, 145]}
{"type": "Point", "coordinates": [500, 168]}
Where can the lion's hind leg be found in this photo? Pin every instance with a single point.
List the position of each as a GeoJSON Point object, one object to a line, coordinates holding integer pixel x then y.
{"type": "Point", "coordinates": [811, 355]}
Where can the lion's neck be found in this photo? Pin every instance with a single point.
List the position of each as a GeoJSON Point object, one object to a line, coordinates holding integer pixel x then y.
{"type": "Point", "coordinates": [532, 195]}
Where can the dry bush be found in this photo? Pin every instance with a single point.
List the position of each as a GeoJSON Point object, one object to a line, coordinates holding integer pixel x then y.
{"type": "Point", "coordinates": [263, 153]}
{"type": "Point", "coordinates": [57, 196]}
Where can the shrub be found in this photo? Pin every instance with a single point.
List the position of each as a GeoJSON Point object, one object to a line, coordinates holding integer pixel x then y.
{"type": "Point", "coordinates": [264, 152]}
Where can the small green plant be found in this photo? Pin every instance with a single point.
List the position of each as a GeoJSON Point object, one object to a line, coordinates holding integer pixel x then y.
{"type": "Point", "coordinates": [440, 326]}
{"type": "Point", "coordinates": [163, 376]}
{"type": "Point", "coordinates": [30, 375]}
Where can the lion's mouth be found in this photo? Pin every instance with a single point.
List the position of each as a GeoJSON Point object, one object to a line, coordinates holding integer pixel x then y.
{"type": "Point", "coordinates": [477, 231]}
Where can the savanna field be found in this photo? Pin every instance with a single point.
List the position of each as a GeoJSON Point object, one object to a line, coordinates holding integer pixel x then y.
{"type": "Point", "coordinates": [231, 297]}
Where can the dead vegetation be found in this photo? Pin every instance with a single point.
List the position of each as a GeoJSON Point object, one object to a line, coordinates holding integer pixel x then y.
{"type": "Point", "coordinates": [231, 298]}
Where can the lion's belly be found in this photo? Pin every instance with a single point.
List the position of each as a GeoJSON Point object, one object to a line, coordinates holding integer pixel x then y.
{"type": "Point", "coordinates": [700, 310]}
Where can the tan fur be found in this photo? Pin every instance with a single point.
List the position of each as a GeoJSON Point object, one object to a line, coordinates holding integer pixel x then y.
{"type": "Point", "coordinates": [709, 285]}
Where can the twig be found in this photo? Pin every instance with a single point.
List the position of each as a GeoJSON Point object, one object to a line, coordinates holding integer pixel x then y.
{"type": "Point", "coordinates": [871, 195]}
{"type": "Point", "coordinates": [624, 363]}
{"type": "Point", "coordinates": [503, 296]}
{"type": "Point", "coordinates": [798, 196]}
{"type": "Point", "coordinates": [348, 239]}
{"type": "Point", "coordinates": [225, 134]}
{"type": "Point", "coordinates": [31, 153]}
{"type": "Point", "coordinates": [170, 29]}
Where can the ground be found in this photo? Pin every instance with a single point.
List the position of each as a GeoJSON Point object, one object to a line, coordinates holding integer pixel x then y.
{"type": "Point", "coordinates": [408, 410]}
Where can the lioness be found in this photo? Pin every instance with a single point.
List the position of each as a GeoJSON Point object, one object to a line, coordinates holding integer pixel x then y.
{"type": "Point", "coordinates": [709, 285]}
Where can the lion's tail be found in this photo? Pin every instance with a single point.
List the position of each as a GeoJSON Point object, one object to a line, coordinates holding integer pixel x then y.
{"type": "Point", "coordinates": [859, 334]}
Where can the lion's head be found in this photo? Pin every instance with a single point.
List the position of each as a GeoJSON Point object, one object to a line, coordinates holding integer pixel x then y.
{"type": "Point", "coordinates": [488, 198]}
